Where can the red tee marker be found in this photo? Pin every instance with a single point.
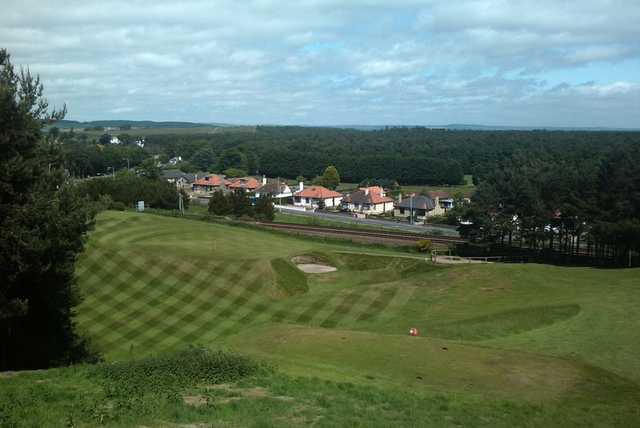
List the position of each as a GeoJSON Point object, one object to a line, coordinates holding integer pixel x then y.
{"type": "Point", "coordinates": [413, 332]}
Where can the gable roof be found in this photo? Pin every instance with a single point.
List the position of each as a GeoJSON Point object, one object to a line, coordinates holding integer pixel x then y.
{"type": "Point", "coordinates": [176, 173]}
{"type": "Point", "coordinates": [272, 188]}
{"type": "Point", "coordinates": [318, 192]}
{"type": "Point", "coordinates": [247, 183]}
{"type": "Point", "coordinates": [368, 195]}
{"type": "Point", "coordinates": [418, 203]}
{"type": "Point", "coordinates": [211, 180]}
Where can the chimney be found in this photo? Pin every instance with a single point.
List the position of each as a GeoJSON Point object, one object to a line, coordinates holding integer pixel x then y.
{"type": "Point", "coordinates": [301, 186]}
{"type": "Point", "coordinates": [400, 197]}
{"type": "Point", "coordinates": [366, 190]}
{"type": "Point", "coordinates": [264, 179]}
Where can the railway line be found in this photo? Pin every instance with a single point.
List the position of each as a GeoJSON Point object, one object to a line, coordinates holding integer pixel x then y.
{"type": "Point", "coordinates": [386, 236]}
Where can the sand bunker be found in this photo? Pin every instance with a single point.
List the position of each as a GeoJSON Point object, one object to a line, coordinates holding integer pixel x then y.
{"type": "Point", "coordinates": [310, 264]}
{"type": "Point", "coordinates": [315, 268]}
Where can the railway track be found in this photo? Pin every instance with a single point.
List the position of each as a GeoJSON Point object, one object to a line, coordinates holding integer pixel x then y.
{"type": "Point", "coordinates": [362, 234]}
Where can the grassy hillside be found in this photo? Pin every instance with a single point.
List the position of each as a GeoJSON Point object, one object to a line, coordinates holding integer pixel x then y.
{"type": "Point", "coordinates": [500, 345]}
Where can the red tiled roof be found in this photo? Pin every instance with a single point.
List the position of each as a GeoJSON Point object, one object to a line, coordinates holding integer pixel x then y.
{"type": "Point", "coordinates": [368, 195]}
{"type": "Point", "coordinates": [318, 192]}
{"type": "Point", "coordinates": [211, 180]}
{"type": "Point", "coordinates": [247, 183]}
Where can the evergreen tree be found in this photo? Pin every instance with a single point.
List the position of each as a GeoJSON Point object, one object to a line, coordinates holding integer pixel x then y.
{"type": "Point", "coordinates": [204, 159]}
{"type": "Point", "coordinates": [240, 203]}
{"type": "Point", "coordinates": [219, 204]}
{"type": "Point", "coordinates": [264, 209]}
{"type": "Point", "coordinates": [42, 225]}
{"type": "Point", "coordinates": [331, 178]}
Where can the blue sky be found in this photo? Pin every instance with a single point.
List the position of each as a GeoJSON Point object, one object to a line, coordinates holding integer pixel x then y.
{"type": "Point", "coordinates": [493, 62]}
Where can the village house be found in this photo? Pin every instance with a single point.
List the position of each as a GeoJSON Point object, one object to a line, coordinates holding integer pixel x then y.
{"type": "Point", "coordinates": [417, 207]}
{"type": "Point", "coordinates": [248, 184]}
{"type": "Point", "coordinates": [314, 196]}
{"type": "Point", "coordinates": [209, 183]}
{"type": "Point", "coordinates": [279, 190]}
{"type": "Point", "coordinates": [182, 180]}
{"type": "Point", "coordinates": [443, 201]}
{"type": "Point", "coordinates": [368, 200]}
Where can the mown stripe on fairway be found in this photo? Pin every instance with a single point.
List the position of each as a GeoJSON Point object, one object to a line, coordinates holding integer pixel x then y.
{"type": "Point", "coordinates": [173, 313]}
{"type": "Point", "coordinates": [379, 304]}
{"type": "Point", "coordinates": [343, 309]}
{"type": "Point", "coordinates": [314, 309]}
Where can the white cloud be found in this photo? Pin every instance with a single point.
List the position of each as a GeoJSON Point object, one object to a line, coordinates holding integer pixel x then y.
{"type": "Point", "coordinates": [362, 61]}
{"type": "Point", "coordinates": [156, 60]}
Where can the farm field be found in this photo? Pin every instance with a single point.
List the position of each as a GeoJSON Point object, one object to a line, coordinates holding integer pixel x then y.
{"type": "Point", "coordinates": [500, 345]}
{"type": "Point", "coordinates": [143, 132]}
{"type": "Point", "coordinates": [465, 189]}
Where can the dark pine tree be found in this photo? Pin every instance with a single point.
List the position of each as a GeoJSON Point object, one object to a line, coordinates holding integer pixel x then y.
{"type": "Point", "coordinates": [42, 225]}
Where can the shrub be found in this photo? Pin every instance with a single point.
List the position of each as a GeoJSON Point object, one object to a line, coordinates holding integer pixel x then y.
{"type": "Point", "coordinates": [424, 245]}
{"type": "Point", "coordinates": [118, 206]}
{"type": "Point", "coordinates": [167, 374]}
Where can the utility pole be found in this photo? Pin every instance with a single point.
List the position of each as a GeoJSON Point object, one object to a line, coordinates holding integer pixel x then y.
{"type": "Point", "coordinates": [128, 169]}
{"type": "Point", "coordinates": [180, 203]}
{"type": "Point", "coordinates": [113, 171]}
{"type": "Point", "coordinates": [411, 209]}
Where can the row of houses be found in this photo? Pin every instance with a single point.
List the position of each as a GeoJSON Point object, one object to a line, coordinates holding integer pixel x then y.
{"type": "Point", "coordinates": [371, 200]}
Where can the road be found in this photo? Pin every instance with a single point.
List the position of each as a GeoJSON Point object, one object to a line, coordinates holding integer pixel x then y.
{"type": "Point", "coordinates": [405, 227]}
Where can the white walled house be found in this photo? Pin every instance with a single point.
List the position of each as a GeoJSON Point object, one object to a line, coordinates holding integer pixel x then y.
{"type": "Point", "coordinates": [311, 196]}
{"type": "Point", "coordinates": [368, 200]}
{"type": "Point", "coordinates": [278, 190]}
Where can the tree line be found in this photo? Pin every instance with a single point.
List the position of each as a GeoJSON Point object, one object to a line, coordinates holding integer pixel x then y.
{"type": "Point", "coordinates": [576, 206]}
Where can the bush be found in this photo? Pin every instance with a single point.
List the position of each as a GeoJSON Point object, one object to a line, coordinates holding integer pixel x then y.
{"type": "Point", "coordinates": [424, 245]}
{"type": "Point", "coordinates": [128, 188]}
{"type": "Point", "coordinates": [118, 206]}
{"type": "Point", "coordinates": [163, 375]}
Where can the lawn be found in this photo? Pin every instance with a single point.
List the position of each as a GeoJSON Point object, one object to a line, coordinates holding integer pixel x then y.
{"type": "Point", "coordinates": [500, 345]}
{"type": "Point", "coordinates": [465, 189]}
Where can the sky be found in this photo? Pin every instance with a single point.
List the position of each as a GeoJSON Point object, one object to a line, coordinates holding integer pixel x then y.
{"type": "Point", "coordinates": [335, 62]}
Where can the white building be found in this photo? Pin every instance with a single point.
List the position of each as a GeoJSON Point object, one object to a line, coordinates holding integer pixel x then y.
{"type": "Point", "coordinates": [277, 189]}
{"type": "Point", "coordinates": [311, 196]}
{"type": "Point", "coordinates": [368, 200]}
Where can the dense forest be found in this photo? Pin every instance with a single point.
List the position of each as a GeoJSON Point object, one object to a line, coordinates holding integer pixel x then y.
{"type": "Point", "coordinates": [408, 155]}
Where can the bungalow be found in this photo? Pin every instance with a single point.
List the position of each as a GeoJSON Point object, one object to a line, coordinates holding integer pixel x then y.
{"type": "Point", "coordinates": [248, 184]}
{"type": "Point", "coordinates": [368, 200]}
{"type": "Point", "coordinates": [444, 202]}
{"type": "Point", "coordinates": [209, 183]}
{"type": "Point", "coordinates": [311, 197]}
{"type": "Point", "coordinates": [181, 179]}
{"type": "Point", "coordinates": [277, 189]}
{"type": "Point", "coordinates": [417, 207]}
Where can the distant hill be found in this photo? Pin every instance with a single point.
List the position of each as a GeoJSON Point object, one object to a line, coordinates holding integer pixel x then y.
{"type": "Point", "coordinates": [142, 124]}
{"type": "Point", "coordinates": [474, 127]}
{"type": "Point", "coordinates": [65, 124]}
